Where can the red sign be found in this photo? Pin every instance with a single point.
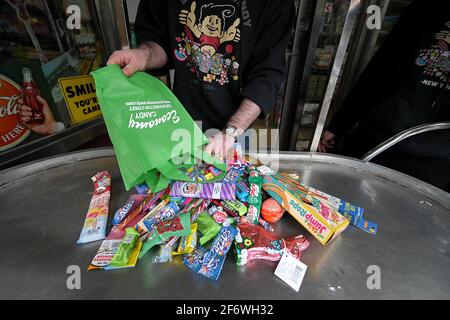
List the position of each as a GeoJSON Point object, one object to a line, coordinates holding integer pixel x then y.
{"type": "Point", "coordinates": [12, 131]}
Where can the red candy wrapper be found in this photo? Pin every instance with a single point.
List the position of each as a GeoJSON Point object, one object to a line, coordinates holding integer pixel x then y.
{"type": "Point", "coordinates": [254, 242]}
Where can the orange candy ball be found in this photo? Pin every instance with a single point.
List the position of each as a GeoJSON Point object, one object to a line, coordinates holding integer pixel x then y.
{"type": "Point", "coordinates": [271, 211]}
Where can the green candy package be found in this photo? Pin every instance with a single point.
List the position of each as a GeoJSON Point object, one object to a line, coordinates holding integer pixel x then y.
{"type": "Point", "coordinates": [207, 227]}
{"type": "Point", "coordinates": [152, 240]}
{"type": "Point", "coordinates": [178, 227]}
{"type": "Point", "coordinates": [153, 135]}
{"type": "Point", "coordinates": [255, 196]}
{"type": "Point", "coordinates": [126, 246]}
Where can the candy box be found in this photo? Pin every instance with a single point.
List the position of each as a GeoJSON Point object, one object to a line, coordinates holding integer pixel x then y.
{"type": "Point", "coordinates": [352, 212]}
{"type": "Point", "coordinates": [320, 220]}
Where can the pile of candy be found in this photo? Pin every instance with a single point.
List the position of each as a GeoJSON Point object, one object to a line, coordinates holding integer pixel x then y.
{"type": "Point", "coordinates": [198, 220]}
{"type": "Point", "coordinates": [201, 221]}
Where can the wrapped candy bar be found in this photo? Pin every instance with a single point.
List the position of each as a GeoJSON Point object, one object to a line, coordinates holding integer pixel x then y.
{"type": "Point", "coordinates": [94, 227]}
{"type": "Point", "coordinates": [134, 218]}
{"type": "Point", "coordinates": [132, 203]}
{"type": "Point", "coordinates": [225, 191]}
{"type": "Point", "coordinates": [142, 188]}
{"type": "Point", "coordinates": [168, 212]}
{"type": "Point", "coordinates": [140, 226]}
{"type": "Point", "coordinates": [164, 230]}
{"type": "Point", "coordinates": [150, 202]}
{"type": "Point", "coordinates": [236, 205]}
{"type": "Point", "coordinates": [215, 257]}
{"type": "Point", "coordinates": [188, 243]}
{"type": "Point", "coordinates": [255, 196]}
{"type": "Point", "coordinates": [178, 226]}
{"type": "Point", "coordinates": [207, 227]}
{"type": "Point", "coordinates": [254, 242]}
{"type": "Point", "coordinates": [242, 191]}
{"type": "Point", "coordinates": [194, 260]}
{"type": "Point", "coordinates": [228, 210]}
{"type": "Point", "coordinates": [218, 214]}
{"type": "Point", "coordinates": [233, 175]}
{"type": "Point", "coordinates": [126, 246]}
{"type": "Point", "coordinates": [104, 255]}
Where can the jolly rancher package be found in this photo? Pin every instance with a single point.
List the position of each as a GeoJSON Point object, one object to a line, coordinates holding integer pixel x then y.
{"type": "Point", "coordinates": [323, 222]}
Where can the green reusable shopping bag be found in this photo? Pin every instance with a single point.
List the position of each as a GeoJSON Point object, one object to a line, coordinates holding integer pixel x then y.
{"type": "Point", "coordinates": [134, 173]}
{"type": "Point", "coordinates": [142, 115]}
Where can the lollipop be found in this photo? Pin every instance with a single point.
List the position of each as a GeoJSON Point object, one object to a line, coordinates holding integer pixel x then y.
{"type": "Point", "coordinates": [271, 211]}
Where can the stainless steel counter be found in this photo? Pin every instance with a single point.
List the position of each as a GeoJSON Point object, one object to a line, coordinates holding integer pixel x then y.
{"type": "Point", "coordinates": [43, 206]}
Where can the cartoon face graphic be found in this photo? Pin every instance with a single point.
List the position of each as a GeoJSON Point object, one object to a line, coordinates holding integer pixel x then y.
{"type": "Point", "coordinates": [209, 43]}
{"type": "Point", "coordinates": [210, 28]}
{"type": "Point", "coordinates": [190, 190]}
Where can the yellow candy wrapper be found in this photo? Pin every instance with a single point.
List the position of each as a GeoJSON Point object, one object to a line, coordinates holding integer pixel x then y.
{"type": "Point", "coordinates": [187, 244]}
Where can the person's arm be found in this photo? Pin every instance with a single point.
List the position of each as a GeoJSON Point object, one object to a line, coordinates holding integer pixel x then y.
{"type": "Point", "coordinates": [263, 76]}
{"type": "Point", "coordinates": [246, 114]}
{"type": "Point", "coordinates": [148, 56]}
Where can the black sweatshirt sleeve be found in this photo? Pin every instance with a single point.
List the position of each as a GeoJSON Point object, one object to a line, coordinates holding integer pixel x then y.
{"type": "Point", "coordinates": [266, 68]}
{"type": "Point", "coordinates": [382, 76]}
{"type": "Point", "coordinates": [151, 25]}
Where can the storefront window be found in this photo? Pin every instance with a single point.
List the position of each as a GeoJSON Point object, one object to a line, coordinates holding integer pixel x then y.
{"type": "Point", "coordinates": [47, 50]}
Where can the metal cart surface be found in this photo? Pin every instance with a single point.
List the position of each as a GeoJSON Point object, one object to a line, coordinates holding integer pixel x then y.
{"type": "Point", "coordinates": [43, 206]}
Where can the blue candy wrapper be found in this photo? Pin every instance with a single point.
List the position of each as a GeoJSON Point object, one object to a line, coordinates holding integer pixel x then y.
{"type": "Point", "coordinates": [368, 226]}
{"type": "Point", "coordinates": [352, 212]}
{"type": "Point", "coordinates": [131, 204]}
{"type": "Point", "coordinates": [194, 260]}
{"type": "Point", "coordinates": [142, 188]}
{"type": "Point", "coordinates": [215, 257]}
{"type": "Point", "coordinates": [169, 212]}
{"type": "Point", "coordinates": [242, 191]}
{"type": "Point", "coordinates": [233, 175]}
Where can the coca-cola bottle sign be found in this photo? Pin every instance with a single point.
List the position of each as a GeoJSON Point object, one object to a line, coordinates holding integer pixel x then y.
{"type": "Point", "coordinates": [12, 131]}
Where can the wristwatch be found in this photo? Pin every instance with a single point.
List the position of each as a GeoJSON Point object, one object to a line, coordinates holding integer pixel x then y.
{"type": "Point", "coordinates": [232, 131]}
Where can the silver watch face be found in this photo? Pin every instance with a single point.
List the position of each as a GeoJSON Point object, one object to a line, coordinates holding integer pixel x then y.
{"type": "Point", "coordinates": [230, 131]}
